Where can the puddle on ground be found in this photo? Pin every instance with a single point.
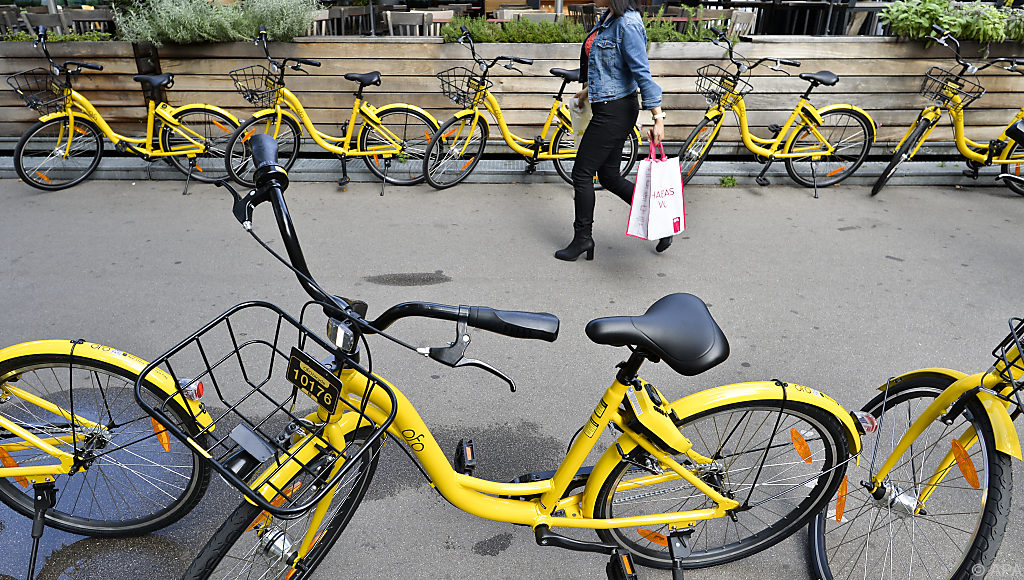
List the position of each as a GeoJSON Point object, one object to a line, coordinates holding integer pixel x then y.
{"type": "Point", "coordinates": [409, 279]}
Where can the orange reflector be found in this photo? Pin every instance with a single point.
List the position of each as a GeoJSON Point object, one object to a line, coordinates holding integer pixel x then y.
{"type": "Point", "coordinates": [831, 173]}
{"type": "Point", "coordinates": [8, 461]}
{"type": "Point", "coordinates": [625, 564]}
{"type": "Point", "coordinates": [199, 168]}
{"type": "Point", "coordinates": [43, 177]}
{"type": "Point", "coordinates": [427, 135]}
{"type": "Point", "coordinates": [653, 537]}
{"type": "Point", "coordinates": [468, 163]}
{"type": "Point", "coordinates": [841, 500]}
{"type": "Point", "coordinates": [276, 502]}
{"type": "Point", "coordinates": [801, 446]}
{"type": "Point", "coordinates": [449, 133]}
{"type": "Point", "coordinates": [221, 127]}
{"type": "Point", "coordinates": [161, 434]}
{"type": "Point", "coordinates": [963, 461]}
{"type": "Point", "coordinates": [81, 131]}
{"type": "Point", "coordinates": [1016, 170]}
{"type": "Point", "coordinates": [247, 135]}
{"type": "Point", "coordinates": [376, 161]}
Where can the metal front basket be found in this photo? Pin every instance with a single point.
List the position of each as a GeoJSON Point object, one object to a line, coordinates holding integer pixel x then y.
{"type": "Point", "coordinates": [1008, 355]}
{"type": "Point", "coordinates": [260, 423]}
{"type": "Point", "coordinates": [940, 85]}
{"type": "Point", "coordinates": [463, 86]}
{"type": "Point", "coordinates": [256, 84]}
{"type": "Point", "coordinates": [42, 91]}
{"type": "Point", "coordinates": [714, 82]}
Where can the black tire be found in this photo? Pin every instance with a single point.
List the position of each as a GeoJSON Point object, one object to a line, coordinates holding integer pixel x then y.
{"type": "Point", "coordinates": [40, 160]}
{"type": "Point", "coordinates": [455, 149]}
{"type": "Point", "coordinates": [721, 540]}
{"type": "Point", "coordinates": [848, 131]}
{"type": "Point", "coordinates": [564, 142]}
{"type": "Point", "coordinates": [960, 532]}
{"type": "Point", "coordinates": [696, 147]}
{"type": "Point", "coordinates": [214, 128]}
{"type": "Point", "coordinates": [1016, 152]}
{"type": "Point", "coordinates": [237, 549]}
{"type": "Point", "coordinates": [414, 130]}
{"type": "Point", "coordinates": [238, 162]}
{"type": "Point", "coordinates": [132, 484]}
{"type": "Point", "coordinates": [903, 153]}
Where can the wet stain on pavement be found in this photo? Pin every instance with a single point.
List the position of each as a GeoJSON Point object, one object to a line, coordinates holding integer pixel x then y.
{"type": "Point", "coordinates": [410, 279]}
{"type": "Point", "coordinates": [493, 546]}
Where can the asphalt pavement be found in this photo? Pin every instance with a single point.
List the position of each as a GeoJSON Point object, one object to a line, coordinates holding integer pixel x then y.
{"type": "Point", "coordinates": [837, 293]}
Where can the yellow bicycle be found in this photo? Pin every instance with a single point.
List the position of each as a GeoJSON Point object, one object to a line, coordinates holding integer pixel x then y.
{"type": "Point", "coordinates": [78, 454]}
{"type": "Point", "coordinates": [392, 139]}
{"type": "Point", "coordinates": [459, 144]}
{"type": "Point", "coordinates": [820, 146]}
{"type": "Point", "coordinates": [953, 91]}
{"type": "Point", "coordinates": [66, 145]}
{"type": "Point", "coordinates": [930, 497]}
{"type": "Point", "coordinates": [713, 477]}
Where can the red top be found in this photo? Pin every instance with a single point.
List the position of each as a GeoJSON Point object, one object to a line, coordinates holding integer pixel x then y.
{"type": "Point", "coordinates": [590, 41]}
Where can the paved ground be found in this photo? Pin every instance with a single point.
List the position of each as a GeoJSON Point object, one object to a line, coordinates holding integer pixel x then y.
{"type": "Point", "coordinates": [837, 293]}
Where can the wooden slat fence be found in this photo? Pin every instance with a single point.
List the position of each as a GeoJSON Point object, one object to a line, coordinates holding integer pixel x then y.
{"type": "Point", "coordinates": [881, 75]}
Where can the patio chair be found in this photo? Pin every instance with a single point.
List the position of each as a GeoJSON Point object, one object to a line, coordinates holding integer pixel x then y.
{"type": "Point", "coordinates": [54, 22]}
{"type": "Point", "coordinates": [409, 23]}
{"type": "Point", "coordinates": [460, 9]}
{"type": "Point", "coordinates": [354, 19]}
{"type": "Point", "coordinates": [742, 23]}
{"type": "Point", "coordinates": [97, 19]}
{"type": "Point", "coordinates": [585, 14]}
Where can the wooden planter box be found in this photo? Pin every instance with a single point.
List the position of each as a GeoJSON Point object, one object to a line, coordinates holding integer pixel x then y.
{"type": "Point", "coordinates": [881, 75]}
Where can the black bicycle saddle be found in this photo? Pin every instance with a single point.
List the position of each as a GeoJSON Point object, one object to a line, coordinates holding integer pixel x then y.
{"type": "Point", "coordinates": [570, 75]}
{"type": "Point", "coordinates": [370, 78]}
{"type": "Point", "coordinates": [155, 81]}
{"type": "Point", "coordinates": [677, 329]}
{"type": "Point", "coordinates": [824, 77]}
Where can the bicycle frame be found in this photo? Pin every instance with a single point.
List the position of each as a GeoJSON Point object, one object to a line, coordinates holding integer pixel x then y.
{"type": "Point", "coordinates": [972, 150]}
{"type": "Point", "coordinates": [803, 115]}
{"type": "Point", "coordinates": [518, 144]}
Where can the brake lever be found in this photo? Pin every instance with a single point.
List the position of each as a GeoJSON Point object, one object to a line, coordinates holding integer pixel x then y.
{"type": "Point", "coordinates": [453, 354]}
{"type": "Point", "coordinates": [297, 67]}
{"type": "Point", "coordinates": [511, 66]}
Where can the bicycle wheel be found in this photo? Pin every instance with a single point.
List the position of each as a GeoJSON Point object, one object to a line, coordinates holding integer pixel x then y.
{"type": "Point", "coordinates": [957, 530]}
{"type": "Point", "coordinates": [696, 147]}
{"type": "Point", "coordinates": [254, 544]}
{"type": "Point", "coordinates": [904, 152]}
{"type": "Point", "coordinates": [211, 128]}
{"type": "Point", "coordinates": [413, 130]}
{"type": "Point", "coordinates": [46, 160]}
{"type": "Point", "coordinates": [847, 131]}
{"type": "Point", "coordinates": [757, 462]}
{"type": "Point", "coordinates": [239, 159]}
{"type": "Point", "coordinates": [562, 142]}
{"type": "Point", "coordinates": [1016, 153]}
{"type": "Point", "coordinates": [132, 481]}
{"type": "Point", "coordinates": [454, 150]}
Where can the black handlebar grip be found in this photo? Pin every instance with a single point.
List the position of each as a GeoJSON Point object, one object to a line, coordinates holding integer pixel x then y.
{"type": "Point", "coordinates": [522, 60]}
{"type": "Point", "coordinates": [310, 62]}
{"type": "Point", "coordinates": [788, 62]}
{"type": "Point", "coordinates": [87, 65]}
{"type": "Point", "coordinates": [264, 150]}
{"type": "Point", "coordinates": [716, 31]}
{"type": "Point", "coordinates": [536, 325]}
{"type": "Point", "coordinates": [262, 30]}
{"type": "Point", "coordinates": [464, 29]}
{"type": "Point", "coordinates": [939, 29]}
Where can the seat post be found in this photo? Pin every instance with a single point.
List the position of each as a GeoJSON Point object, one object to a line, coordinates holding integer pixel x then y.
{"type": "Point", "coordinates": [807, 93]}
{"type": "Point", "coordinates": [630, 368]}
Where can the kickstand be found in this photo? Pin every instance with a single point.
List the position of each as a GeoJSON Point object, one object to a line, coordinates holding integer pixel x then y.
{"type": "Point", "coordinates": [814, 179]}
{"type": "Point", "coordinates": [45, 498]}
{"type": "Point", "coordinates": [679, 550]}
{"type": "Point", "coordinates": [384, 180]}
{"type": "Point", "coordinates": [188, 176]}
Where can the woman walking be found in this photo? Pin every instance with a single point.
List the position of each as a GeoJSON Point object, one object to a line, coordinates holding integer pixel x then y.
{"type": "Point", "coordinates": [613, 65]}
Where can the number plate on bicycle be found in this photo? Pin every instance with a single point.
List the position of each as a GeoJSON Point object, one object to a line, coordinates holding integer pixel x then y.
{"type": "Point", "coordinates": [310, 377]}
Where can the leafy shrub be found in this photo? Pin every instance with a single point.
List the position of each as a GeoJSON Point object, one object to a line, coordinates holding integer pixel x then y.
{"type": "Point", "coordinates": [23, 36]}
{"type": "Point", "coordinates": [200, 21]}
{"type": "Point", "coordinates": [978, 21]}
{"type": "Point", "coordinates": [565, 30]}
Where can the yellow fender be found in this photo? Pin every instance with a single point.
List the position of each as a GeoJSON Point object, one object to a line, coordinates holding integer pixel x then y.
{"type": "Point", "coordinates": [720, 397]}
{"type": "Point", "coordinates": [874, 126]}
{"type": "Point", "coordinates": [272, 113]}
{"type": "Point", "coordinates": [1006, 436]}
{"type": "Point", "coordinates": [420, 110]}
{"type": "Point", "coordinates": [201, 107]}
{"type": "Point", "coordinates": [117, 358]}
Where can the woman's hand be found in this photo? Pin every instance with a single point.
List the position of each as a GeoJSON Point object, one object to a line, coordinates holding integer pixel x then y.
{"type": "Point", "coordinates": [657, 132]}
{"type": "Point", "coordinates": [581, 97]}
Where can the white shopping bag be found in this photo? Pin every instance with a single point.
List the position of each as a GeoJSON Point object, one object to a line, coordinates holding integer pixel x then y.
{"type": "Point", "coordinates": [658, 208]}
{"type": "Point", "coordinates": [579, 116]}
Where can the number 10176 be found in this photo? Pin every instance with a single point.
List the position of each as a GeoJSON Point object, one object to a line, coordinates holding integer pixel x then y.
{"type": "Point", "coordinates": [310, 377]}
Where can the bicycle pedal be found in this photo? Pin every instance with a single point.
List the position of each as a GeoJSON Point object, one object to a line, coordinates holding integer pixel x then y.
{"type": "Point", "coordinates": [774, 129]}
{"type": "Point", "coordinates": [620, 566]}
{"type": "Point", "coordinates": [972, 173]}
{"type": "Point", "coordinates": [344, 181]}
{"type": "Point", "coordinates": [762, 181]}
{"type": "Point", "coordinates": [465, 458]}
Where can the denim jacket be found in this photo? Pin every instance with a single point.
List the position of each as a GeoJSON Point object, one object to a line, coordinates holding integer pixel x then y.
{"type": "Point", "coordinates": [618, 64]}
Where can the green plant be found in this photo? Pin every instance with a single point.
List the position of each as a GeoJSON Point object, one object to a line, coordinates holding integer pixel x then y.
{"type": "Point", "coordinates": [727, 181]}
{"type": "Point", "coordinates": [199, 21]}
{"type": "Point", "coordinates": [516, 31]}
{"type": "Point", "coordinates": [23, 36]}
{"type": "Point", "coordinates": [978, 21]}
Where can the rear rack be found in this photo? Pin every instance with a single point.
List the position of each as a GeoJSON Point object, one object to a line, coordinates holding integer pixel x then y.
{"type": "Point", "coordinates": [240, 360]}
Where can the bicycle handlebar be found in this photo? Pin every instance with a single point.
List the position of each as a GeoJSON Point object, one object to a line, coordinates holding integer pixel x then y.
{"type": "Point", "coordinates": [945, 39]}
{"type": "Point", "coordinates": [271, 182]}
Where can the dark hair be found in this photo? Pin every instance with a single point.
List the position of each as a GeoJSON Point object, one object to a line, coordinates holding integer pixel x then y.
{"type": "Point", "coordinates": [619, 7]}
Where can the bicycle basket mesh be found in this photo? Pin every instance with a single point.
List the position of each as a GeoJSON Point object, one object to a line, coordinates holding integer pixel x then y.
{"type": "Point", "coordinates": [42, 91]}
{"type": "Point", "coordinates": [258, 418]}
{"type": "Point", "coordinates": [940, 85]}
{"type": "Point", "coordinates": [464, 87]}
{"type": "Point", "coordinates": [714, 82]}
{"type": "Point", "coordinates": [1008, 355]}
{"type": "Point", "coordinates": [256, 84]}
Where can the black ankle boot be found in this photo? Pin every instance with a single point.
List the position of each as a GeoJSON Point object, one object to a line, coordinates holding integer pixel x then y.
{"type": "Point", "coordinates": [663, 244]}
{"type": "Point", "coordinates": [582, 241]}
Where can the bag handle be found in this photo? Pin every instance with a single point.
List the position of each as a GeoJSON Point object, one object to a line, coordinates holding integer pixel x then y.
{"type": "Point", "coordinates": [651, 153]}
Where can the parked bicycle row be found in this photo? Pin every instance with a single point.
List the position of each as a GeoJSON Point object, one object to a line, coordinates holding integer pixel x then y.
{"type": "Point", "coordinates": [404, 144]}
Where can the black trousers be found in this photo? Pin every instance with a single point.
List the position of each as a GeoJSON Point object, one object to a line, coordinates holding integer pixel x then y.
{"type": "Point", "coordinates": [600, 153]}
